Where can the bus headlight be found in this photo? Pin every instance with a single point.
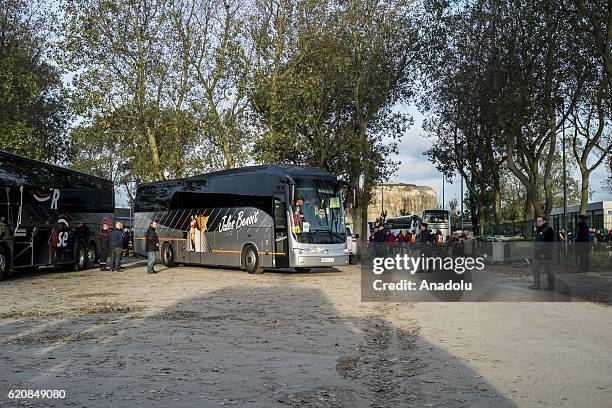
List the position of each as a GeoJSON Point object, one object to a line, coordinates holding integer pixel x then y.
{"type": "Point", "coordinates": [346, 250]}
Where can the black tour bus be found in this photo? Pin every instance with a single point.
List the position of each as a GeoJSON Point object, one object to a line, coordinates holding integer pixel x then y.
{"type": "Point", "coordinates": [268, 216]}
{"type": "Point", "coordinates": [50, 215]}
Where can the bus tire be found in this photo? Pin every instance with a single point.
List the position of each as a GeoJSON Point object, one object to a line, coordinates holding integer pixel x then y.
{"type": "Point", "coordinates": [92, 255]}
{"type": "Point", "coordinates": [4, 262]}
{"type": "Point", "coordinates": [80, 262]}
{"type": "Point", "coordinates": [250, 260]}
{"type": "Point", "coordinates": [302, 270]}
{"type": "Point", "coordinates": [167, 255]}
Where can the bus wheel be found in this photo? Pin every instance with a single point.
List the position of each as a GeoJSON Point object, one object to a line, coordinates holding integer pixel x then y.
{"type": "Point", "coordinates": [168, 255]}
{"type": "Point", "coordinates": [302, 270]}
{"type": "Point", "coordinates": [250, 260]}
{"type": "Point", "coordinates": [81, 258]}
{"type": "Point", "coordinates": [3, 263]}
{"type": "Point", "coordinates": [91, 255]}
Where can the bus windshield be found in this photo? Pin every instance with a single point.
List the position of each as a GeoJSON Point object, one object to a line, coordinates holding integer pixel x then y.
{"type": "Point", "coordinates": [435, 217]}
{"type": "Point", "coordinates": [318, 212]}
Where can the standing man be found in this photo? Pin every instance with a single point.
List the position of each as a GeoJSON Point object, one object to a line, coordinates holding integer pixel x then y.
{"type": "Point", "coordinates": [425, 239]}
{"type": "Point", "coordinates": [582, 239]}
{"type": "Point", "coordinates": [425, 236]}
{"type": "Point", "coordinates": [104, 237]}
{"type": "Point", "coordinates": [151, 245]}
{"type": "Point", "coordinates": [544, 238]}
{"type": "Point", "coordinates": [117, 245]}
{"type": "Point", "coordinates": [379, 238]}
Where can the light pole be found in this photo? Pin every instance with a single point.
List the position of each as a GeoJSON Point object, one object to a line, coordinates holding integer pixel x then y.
{"type": "Point", "coordinates": [443, 191]}
{"type": "Point", "coordinates": [382, 199]}
{"type": "Point", "coordinates": [461, 175]}
{"type": "Point", "coordinates": [564, 183]}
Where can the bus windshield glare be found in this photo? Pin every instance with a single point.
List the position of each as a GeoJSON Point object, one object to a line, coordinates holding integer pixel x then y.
{"type": "Point", "coordinates": [318, 212]}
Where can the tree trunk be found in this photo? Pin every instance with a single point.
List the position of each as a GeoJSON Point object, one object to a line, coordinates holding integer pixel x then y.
{"type": "Point", "coordinates": [499, 219]}
{"type": "Point", "coordinates": [548, 195]}
{"type": "Point", "coordinates": [584, 192]}
{"type": "Point", "coordinates": [159, 170]}
{"type": "Point", "coordinates": [481, 218]}
{"type": "Point", "coordinates": [529, 212]}
{"type": "Point", "coordinates": [356, 213]}
{"type": "Point", "coordinates": [230, 162]}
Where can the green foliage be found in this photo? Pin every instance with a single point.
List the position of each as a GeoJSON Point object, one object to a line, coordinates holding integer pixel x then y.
{"type": "Point", "coordinates": [329, 79]}
{"type": "Point", "coordinates": [33, 111]}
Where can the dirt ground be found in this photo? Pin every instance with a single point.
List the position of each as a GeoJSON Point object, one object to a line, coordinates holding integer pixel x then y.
{"type": "Point", "coordinates": [193, 336]}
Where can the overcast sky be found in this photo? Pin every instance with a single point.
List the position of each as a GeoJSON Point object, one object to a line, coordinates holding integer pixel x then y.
{"type": "Point", "coordinates": [415, 168]}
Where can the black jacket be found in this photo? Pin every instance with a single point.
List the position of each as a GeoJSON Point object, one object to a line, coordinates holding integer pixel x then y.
{"type": "Point", "coordinates": [151, 240]}
{"type": "Point", "coordinates": [582, 232]}
{"type": "Point", "coordinates": [426, 236]}
{"type": "Point", "coordinates": [105, 244]}
{"type": "Point", "coordinates": [380, 236]}
{"type": "Point", "coordinates": [544, 238]}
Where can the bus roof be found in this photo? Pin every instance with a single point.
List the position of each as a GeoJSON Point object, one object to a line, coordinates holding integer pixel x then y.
{"type": "Point", "coordinates": [280, 170]}
{"type": "Point", "coordinates": [12, 173]}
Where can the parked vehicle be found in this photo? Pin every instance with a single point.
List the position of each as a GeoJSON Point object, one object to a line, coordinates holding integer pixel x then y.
{"type": "Point", "coordinates": [252, 217]}
{"type": "Point", "coordinates": [406, 223]}
{"type": "Point", "coordinates": [50, 215]}
{"type": "Point", "coordinates": [351, 242]}
{"type": "Point", "coordinates": [437, 220]}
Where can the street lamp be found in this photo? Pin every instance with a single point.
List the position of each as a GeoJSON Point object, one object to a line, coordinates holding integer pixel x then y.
{"type": "Point", "coordinates": [443, 191]}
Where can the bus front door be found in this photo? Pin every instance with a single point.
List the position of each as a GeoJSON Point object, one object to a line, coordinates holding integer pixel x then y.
{"type": "Point", "coordinates": [281, 241]}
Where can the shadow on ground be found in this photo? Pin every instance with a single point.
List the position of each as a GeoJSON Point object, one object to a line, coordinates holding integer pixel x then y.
{"type": "Point", "coordinates": [265, 346]}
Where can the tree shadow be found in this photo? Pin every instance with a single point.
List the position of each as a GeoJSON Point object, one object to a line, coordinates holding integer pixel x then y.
{"type": "Point", "coordinates": [258, 346]}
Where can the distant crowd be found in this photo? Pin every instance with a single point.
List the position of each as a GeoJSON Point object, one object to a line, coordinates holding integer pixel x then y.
{"type": "Point", "coordinates": [425, 235]}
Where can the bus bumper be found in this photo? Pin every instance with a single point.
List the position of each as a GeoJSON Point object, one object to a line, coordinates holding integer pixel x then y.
{"type": "Point", "coordinates": [318, 261]}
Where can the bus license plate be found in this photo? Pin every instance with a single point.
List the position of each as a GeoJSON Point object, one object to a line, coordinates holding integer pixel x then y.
{"type": "Point", "coordinates": [327, 260]}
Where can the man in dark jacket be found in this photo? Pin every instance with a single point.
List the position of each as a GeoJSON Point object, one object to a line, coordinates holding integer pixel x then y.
{"type": "Point", "coordinates": [117, 244]}
{"type": "Point", "coordinates": [425, 238]}
{"type": "Point", "coordinates": [151, 245]}
{"type": "Point", "coordinates": [380, 236]}
{"type": "Point", "coordinates": [544, 238]}
{"type": "Point", "coordinates": [104, 247]}
{"type": "Point", "coordinates": [582, 239]}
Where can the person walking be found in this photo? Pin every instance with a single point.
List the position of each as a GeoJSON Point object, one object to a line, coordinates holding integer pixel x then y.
{"type": "Point", "coordinates": [582, 239]}
{"type": "Point", "coordinates": [151, 245]}
{"type": "Point", "coordinates": [104, 237]}
{"type": "Point", "coordinates": [544, 238]}
{"type": "Point", "coordinates": [117, 247]}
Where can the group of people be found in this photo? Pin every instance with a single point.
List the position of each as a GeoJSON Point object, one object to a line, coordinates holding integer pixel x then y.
{"type": "Point", "coordinates": [424, 236]}
{"type": "Point", "coordinates": [545, 236]}
{"type": "Point", "coordinates": [113, 246]}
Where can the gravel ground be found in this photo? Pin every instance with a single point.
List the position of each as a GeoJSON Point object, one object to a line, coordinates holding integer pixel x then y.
{"type": "Point", "coordinates": [192, 336]}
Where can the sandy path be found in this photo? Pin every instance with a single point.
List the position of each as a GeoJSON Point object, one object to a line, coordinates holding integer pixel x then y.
{"type": "Point", "coordinates": [213, 337]}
